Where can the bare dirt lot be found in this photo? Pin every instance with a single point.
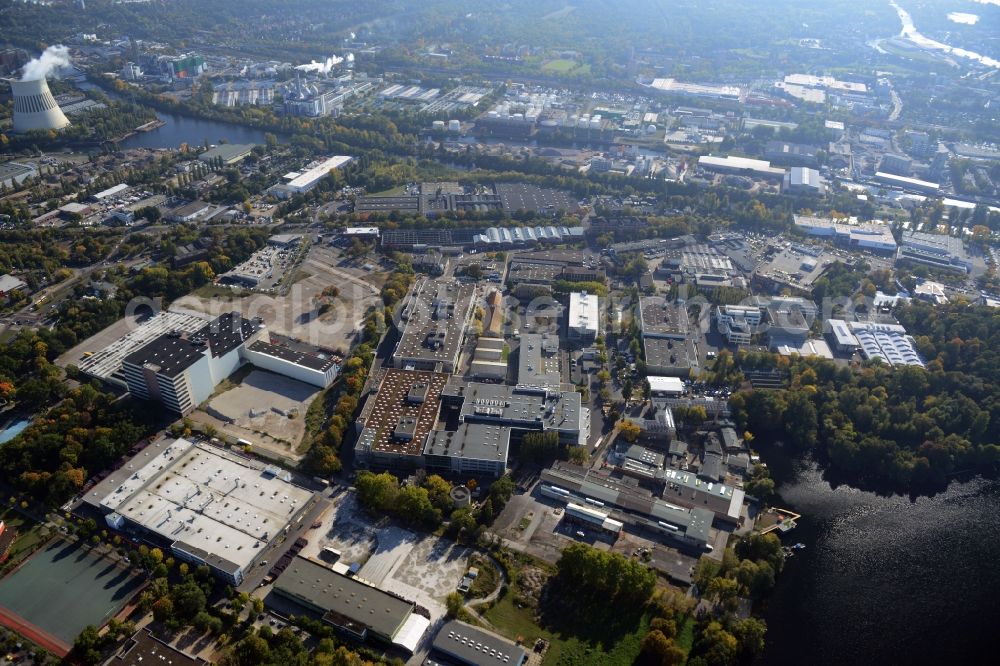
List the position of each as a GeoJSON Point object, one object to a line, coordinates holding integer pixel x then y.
{"type": "Point", "coordinates": [265, 409]}
{"type": "Point", "coordinates": [298, 313]}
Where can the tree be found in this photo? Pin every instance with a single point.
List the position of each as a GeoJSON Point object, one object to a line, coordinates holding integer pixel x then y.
{"type": "Point", "coordinates": [251, 651]}
{"type": "Point", "coordinates": [377, 492]}
{"type": "Point", "coordinates": [454, 603]}
{"type": "Point", "coordinates": [88, 645]}
{"type": "Point", "coordinates": [629, 430]}
{"type": "Point", "coordinates": [188, 599]}
{"type": "Point", "coordinates": [660, 650]}
{"type": "Point", "coordinates": [163, 610]}
{"type": "Point", "coordinates": [750, 636]}
{"type": "Point", "coordinates": [716, 645]}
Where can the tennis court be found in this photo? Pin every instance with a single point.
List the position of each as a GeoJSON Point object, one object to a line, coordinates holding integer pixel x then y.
{"type": "Point", "coordinates": [60, 590]}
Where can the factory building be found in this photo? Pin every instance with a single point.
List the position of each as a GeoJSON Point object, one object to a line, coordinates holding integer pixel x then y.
{"type": "Point", "coordinates": [433, 322]}
{"type": "Point", "coordinates": [935, 250]}
{"type": "Point", "coordinates": [208, 505]}
{"type": "Point", "coordinates": [872, 236]}
{"type": "Point", "coordinates": [178, 360]}
{"type": "Point", "coordinates": [461, 644]}
{"type": "Point", "coordinates": [352, 607]}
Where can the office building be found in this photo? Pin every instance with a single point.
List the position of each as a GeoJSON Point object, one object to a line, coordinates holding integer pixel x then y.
{"type": "Point", "coordinates": [841, 338]}
{"type": "Point", "coordinates": [738, 323]}
{"type": "Point", "coordinates": [584, 317]}
{"type": "Point", "coordinates": [181, 370]}
{"type": "Point", "coordinates": [433, 322]}
{"type": "Point", "coordinates": [208, 505]}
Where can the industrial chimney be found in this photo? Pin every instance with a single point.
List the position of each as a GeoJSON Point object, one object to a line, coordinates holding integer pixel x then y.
{"type": "Point", "coordinates": [35, 108]}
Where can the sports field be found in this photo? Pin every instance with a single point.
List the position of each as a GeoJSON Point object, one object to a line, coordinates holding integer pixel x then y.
{"type": "Point", "coordinates": [60, 590]}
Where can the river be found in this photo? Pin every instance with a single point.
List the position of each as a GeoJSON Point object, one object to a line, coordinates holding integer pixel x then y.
{"type": "Point", "coordinates": [911, 33]}
{"type": "Point", "coordinates": [193, 131]}
{"type": "Point", "coordinates": [885, 580]}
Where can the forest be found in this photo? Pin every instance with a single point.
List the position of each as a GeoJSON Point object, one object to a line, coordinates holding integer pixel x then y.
{"type": "Point", "coordinates": [902, 429]}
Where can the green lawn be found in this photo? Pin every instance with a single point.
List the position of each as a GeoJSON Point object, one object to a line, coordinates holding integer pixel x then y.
{"type": "Point", "coordinates": [29, 535]}
{"type": "Point", "coordinates": [560, 66]}
{"type": "Point", "coordinates": [602, 648]}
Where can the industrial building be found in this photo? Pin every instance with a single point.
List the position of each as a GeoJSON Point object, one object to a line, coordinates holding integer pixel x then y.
{"type": "Point", "coordinates": [907, 184]}
{"type": "Point", "coordinates": [298, 182]}
{"type": "Point", "coordinates": [685, 526]}
{"type": "Point", "coordinates": [741, 165]}
{"type": "Point", "coordinates": [584, 317]}
{"type": "Point", "coordinates": [803, 180]}
{"type": "Point", "coordinates": [397, 417]}
{"type": "Point", "coordinates": [488, 360]}
{"type": "Point", "coordinates": [935, 250]}
{"type": "Point", "coordinates": [229, 153]}
{"type": "Point", "coordinates": [478, 449]}
{"type": "Point", "coordinates": [208, 505]}
{"type": "Point", "coordinates": [15, 173]}
{"type": "Point", "coordinates": [665, 386]}
{"type": "Point", "coordinates": [791, 154]}
{"type": "Point", "coordinates": [538, 361]}
{"type": "Point", "coordinates": [433, 323]}
{"type": "Point", "coordinates": [871, 236]}
{"type": "Point", "coordinates": [461, 644]}
{"type": "Point", "coordinates": [144, 648]}
{"type": "Point", "coordinates": [888, 343]}
{"type": "Point", "coordinates": [355, 609]}
{"type": "Point", "coordinates": [528, 408]}
{"type": "Point", "coordinates": [35, 108]}
{"type": "Point", "coordinates": [666, 343]}
{"type": "Point", "coordinates": [11, 286]}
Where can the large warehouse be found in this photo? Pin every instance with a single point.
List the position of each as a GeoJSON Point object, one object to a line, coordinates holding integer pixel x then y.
{"type": "Point", "coordinates": [209, 506]}
{"type": "Point", "coordinates": [359, 610]}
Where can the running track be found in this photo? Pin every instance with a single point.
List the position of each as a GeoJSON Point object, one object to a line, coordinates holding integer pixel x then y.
{"type": "Point", "coordinates": [34, 634]}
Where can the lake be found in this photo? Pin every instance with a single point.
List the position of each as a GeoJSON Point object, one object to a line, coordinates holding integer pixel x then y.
{"type": "Point", "coordinates": [193, 131]}
{"type": "Point", "coordinates": [884, 579]}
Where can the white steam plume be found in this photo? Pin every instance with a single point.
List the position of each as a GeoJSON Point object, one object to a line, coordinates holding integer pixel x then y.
{"type": "Point", "coordinates": [52, 59]}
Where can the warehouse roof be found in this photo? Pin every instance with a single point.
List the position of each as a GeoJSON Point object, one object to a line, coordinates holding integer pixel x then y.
{"type": "Point", "coordinates": [344, 599]}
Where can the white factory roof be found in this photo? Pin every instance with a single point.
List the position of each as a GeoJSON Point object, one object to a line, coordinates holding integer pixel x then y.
{"type": "Point", "coordinates": [741, 163]}
{"type": "Point", "coordinates": [310, 176]}
{"type": "Point", "coordinates": [361, 231]}
{"type": "Point", "coordinates": [207, 498]}
{"type": "Point", "coordinates": [111, 191]}
{"type": "Point", "coordinates": [665, 384]}
{"type": "Point", "coordinates": [904, 181]}
{"type": "Point", "coordinates": [584, 312]}
{"type": "Point", "coordinates": [888, 342]}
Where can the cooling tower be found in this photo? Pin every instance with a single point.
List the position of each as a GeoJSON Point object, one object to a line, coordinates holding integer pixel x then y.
{"type": "Point", "coordinates": [35, 108]}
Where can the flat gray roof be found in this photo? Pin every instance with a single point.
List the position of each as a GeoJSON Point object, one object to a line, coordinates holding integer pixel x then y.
{"type": "Point", "coordinates": [326, 591]}
{"type": "Point", "coordinates": [538, 360]}
{"type": "Point", "coordinates": [476, 441]}
{"type": "Point", "coordinates": [662, 318]}
{"type": "Point", "coordinates": [434, 320]}
{"type": "Point", "coordinates": [471, 645]}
